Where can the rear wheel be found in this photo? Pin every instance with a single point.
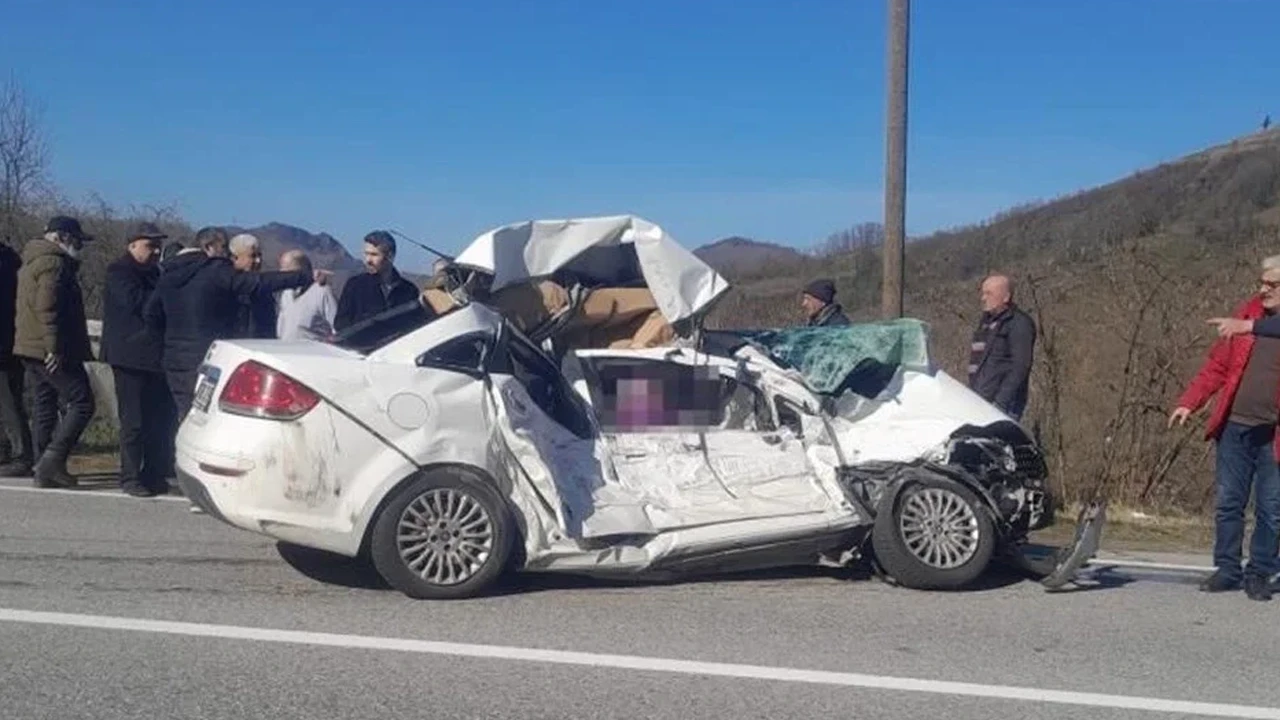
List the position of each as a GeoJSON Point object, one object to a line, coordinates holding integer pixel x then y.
{"type": "Point", "coordinates": [443, 536]}
{"type": "Point", "coordinates": [934, 535]}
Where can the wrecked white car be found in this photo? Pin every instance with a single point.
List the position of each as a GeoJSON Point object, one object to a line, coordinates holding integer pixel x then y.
{"type": "Point", "coordinates": [558, 407]}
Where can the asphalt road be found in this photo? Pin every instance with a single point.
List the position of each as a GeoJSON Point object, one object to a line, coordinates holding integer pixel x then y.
{"type": "Point", "coordinates": [112, 607]}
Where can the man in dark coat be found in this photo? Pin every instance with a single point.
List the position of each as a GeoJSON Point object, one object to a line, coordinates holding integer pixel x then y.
{"type": "Point", "coordinates": [52, 339]}
{"type": "Point", "coordinates": [16, 456]}
{"type": "Point", "coordinates": [196, 302]}
{"type": "Point", "coordinates": [1003, 346]}
{"type": "Point", "coordinates": [144, 404]}
{"type": "Point", "coordinates": [380, 288]}
{"type": "Point", "coordinates": [820, 307]}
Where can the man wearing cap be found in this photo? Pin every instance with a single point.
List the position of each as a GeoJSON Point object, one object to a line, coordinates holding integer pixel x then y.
{"type": "Point", "coordinates": [15, 429]}
{"type": "Point", "coordinates": [145, 407]}
{"type": "Point", "coordinates": [52, 339]}
{"type": "Point", "coordinates": [380, 288]}
{"type": "Point", "coordinates": [820, 307]}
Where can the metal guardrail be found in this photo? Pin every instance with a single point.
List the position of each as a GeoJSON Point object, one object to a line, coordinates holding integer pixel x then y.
{"type": "Point", "coordinates": [100, 378]}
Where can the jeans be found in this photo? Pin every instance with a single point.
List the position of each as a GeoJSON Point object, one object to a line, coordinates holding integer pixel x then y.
{"type": "Point", "coordinates": [13, 412]}
{"type": "Point", "coordinates": [147, 428]}
{"type": "Point", "coordinates": [62, 407]}
{"type": "Point", "coordinates": [1246, 460]}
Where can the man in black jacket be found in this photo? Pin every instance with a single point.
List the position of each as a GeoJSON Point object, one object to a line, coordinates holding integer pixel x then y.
{"type": "Point", "coordinates": [15, 429]}
{"type": "Point", "coordinates": [820, 307]}
{"type": "Point", "coordinates": [145, 407]}
{"type": "Point", "coordinates": [1002, 350]}
{"type": "Point", "coordinates": [379, 289]}
{"type": "Point", "coordinates": [196, 302]}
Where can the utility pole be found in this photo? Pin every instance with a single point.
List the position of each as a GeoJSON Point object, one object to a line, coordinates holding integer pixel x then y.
{"type": "Point", "coordinates": [895, 166]}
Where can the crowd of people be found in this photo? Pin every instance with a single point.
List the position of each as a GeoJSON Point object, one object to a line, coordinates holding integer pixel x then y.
{"type": "Point", "coordinates": [163, 305]}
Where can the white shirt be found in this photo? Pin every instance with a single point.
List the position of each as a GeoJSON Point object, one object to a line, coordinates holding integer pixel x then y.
{"type": "Point", "coordinates": [304, 314]}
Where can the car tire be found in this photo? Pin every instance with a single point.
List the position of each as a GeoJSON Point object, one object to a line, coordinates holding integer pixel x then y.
{"type": "Point", "coordinates": [934, 534]}
{"type": "Point", "coordinates": [460, 537]}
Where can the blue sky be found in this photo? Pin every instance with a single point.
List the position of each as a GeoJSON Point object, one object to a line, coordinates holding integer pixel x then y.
{"type": "Point", "coordinates": [710, 117]}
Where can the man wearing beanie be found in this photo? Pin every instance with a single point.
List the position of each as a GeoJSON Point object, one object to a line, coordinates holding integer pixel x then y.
{"type": "Point", "coordinates": [820, 307]}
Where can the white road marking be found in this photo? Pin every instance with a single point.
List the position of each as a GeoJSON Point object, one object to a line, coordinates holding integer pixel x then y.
{"type": "Point", "coordinates": [87, 493]}
{"type": "Point", "coordinates": [645, 664]}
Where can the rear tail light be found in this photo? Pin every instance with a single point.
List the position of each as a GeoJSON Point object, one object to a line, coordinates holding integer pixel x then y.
{"type": "Point", "coordinates": [259, 391]}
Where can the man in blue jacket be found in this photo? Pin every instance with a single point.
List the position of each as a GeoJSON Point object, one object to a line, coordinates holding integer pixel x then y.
{"type": "Point", "coordinates": [144, 405]}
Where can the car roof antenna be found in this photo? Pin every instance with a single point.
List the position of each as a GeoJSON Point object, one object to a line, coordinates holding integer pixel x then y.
{"type": "Point", "coordinates": [424, 246]}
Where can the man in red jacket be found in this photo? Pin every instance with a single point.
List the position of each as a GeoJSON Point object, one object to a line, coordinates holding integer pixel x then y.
{"type": "Point", "coordinates": [1243, 370]}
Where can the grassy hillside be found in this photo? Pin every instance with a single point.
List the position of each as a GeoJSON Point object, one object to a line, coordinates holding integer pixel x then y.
{"type": "Point", "coordinates": [1120, 279]}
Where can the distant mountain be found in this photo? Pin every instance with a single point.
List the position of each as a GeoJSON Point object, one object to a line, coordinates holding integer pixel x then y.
{"type": "Point", "coordinates": [740, 256]}
{"type": "Point", "coordinates": [324, 250]}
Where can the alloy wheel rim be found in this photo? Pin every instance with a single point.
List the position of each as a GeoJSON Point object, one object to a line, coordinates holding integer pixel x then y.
{"type": "Point", "coordinates": [939, 528]}
{"type": "Point", "coordinates": [445, 536]}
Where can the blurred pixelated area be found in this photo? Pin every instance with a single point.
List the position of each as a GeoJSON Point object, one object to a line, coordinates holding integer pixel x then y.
{"type": "Point", "coordinates": [653, 396]}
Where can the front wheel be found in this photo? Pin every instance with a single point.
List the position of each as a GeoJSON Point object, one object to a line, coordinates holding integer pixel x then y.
{"type": "Point", "coordinates": [934, 535]}
{"type": "Point", "coordinates": [443, 536]}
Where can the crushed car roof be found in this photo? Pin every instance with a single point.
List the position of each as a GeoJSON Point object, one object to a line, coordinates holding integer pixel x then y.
{"type": "Point", "coordinates": [615, 251]}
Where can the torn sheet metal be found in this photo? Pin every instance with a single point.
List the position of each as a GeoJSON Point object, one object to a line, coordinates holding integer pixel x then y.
{"type": "Point", "coordinates": [613, 251]}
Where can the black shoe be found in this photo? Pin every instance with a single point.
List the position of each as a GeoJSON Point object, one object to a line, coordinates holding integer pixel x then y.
{"type": "Point", "coordinates": [1257, 587]}
{"type": "Point", "coordinates": [15, 469]}
{"type": "Point", "coordinates": [136, 489]}
{"type": "Point", "coordinates": [52, 472]}
{"type": "Point", "coordinates": [1219, 582]}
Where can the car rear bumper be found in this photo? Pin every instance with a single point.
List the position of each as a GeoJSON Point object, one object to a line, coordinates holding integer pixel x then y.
{"type": "Point", "coordinates": [198, 494]}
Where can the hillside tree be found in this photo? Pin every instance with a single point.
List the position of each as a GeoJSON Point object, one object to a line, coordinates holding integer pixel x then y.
{"type": "Point", "coordinates": [23, 157]}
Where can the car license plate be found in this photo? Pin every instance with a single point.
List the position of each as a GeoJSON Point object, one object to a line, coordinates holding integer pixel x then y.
{"type": "Point", "coordinates": [204, 387]}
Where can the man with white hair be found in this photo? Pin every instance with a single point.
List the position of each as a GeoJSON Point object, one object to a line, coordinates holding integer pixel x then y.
{"type": "Point", "coordinates": [256, 311]}
{"type": "Point", "coordinates": [246, 252]}
{"type": "Point", "coordinates": [305, 312]}
{"type": "Point", "coordinates": [1243, 371]}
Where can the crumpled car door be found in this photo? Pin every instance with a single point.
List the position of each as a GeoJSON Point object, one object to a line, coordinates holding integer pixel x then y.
{"type": "Point", "coordinates": [568, 472]}
{"type": "Point", "coordinates": [700, 446]}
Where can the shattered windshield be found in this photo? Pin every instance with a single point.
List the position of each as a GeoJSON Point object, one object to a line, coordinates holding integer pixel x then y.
{"type": "Point", "coordinates": [862, 358]}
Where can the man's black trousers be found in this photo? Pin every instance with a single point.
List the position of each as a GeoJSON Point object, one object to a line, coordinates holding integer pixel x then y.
{"type": "Point", "coordinates": [147, 427]}
{"type": "Point", "coordinates": [62, 406]}
{"type": "Point", "coordinates": [13, 412]}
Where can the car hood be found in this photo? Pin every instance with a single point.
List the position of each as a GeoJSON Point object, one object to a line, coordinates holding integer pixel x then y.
{"type": "Point", "coordinates": [912, 419]}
